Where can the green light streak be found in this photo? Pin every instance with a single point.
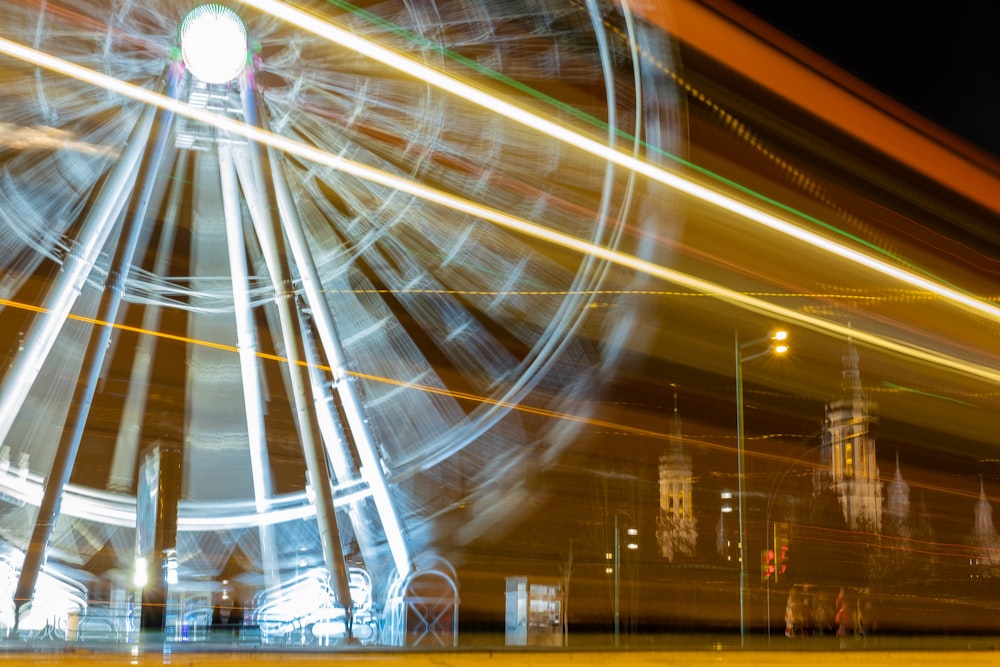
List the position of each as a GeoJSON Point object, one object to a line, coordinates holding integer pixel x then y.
{"type": "Point", "coordinates": [424, 42]}
{"type": "Point", "coordinates": [911, 390]}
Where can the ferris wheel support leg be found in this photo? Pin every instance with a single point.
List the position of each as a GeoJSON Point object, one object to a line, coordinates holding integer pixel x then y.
{"type": "Point", "coordinates": [98, 344]}
{"type": "Point", "coordinates": [343, 382]}
{"type": "Point", "coordinates": [252, 179]}
{"type": "Point", "coordinates": [316, 464]}
{"type": "Point", "coordinates": [335, 442]}
{"type": "Point", "coordinates": [126, 452]}
{"type": "Point", "coordinates": [69, 283]}
{"type": "Point", "coordinates": [249, 369]}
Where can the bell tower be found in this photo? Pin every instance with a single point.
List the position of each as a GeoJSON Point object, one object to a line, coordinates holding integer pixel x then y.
{"type": "Point", "coordinates": [849, 444]}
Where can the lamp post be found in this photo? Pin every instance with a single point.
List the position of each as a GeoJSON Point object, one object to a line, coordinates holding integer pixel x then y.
{"type": "Point", "coordinates": [770, 533]}
{"type": "Point", "coordinates": [724, 545]}
{"type": "Point", "coordinates": [615, 569]}
{"type": "Point", "coordinates": [777, 344]}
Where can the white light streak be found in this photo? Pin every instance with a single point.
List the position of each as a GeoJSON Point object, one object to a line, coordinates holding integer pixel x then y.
{"type": "Point", "coordinates": [421, 191]}
{"type": "Point", "coordinates": [417, 69]}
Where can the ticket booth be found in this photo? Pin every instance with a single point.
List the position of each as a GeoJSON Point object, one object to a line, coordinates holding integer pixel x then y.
{"type": "Point", "coordinates": [534, 612]}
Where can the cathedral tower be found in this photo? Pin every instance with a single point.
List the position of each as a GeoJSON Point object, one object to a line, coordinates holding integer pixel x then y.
{"type": "Point", "coordinates": [849, 450]}
{"type": "Point", "coordinates": [676, 523]}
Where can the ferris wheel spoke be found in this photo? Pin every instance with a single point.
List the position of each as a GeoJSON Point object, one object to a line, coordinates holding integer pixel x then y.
{"type": "Point", "coordinates": [298, 323]}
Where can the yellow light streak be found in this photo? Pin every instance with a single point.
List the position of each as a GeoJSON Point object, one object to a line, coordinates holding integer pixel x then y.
{"type": "Point", "coordinates": [470, 93]}
{"type": "Point", "coordinates": [525, 227]}
{"type": "Point", "coordinates": [840, 296]}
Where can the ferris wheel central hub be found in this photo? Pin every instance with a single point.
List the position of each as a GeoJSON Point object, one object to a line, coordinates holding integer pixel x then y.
{"type": "Point", "coordinates": [214, 43]}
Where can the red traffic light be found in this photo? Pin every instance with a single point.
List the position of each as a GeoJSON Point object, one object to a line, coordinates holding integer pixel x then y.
{"type": "Point", "coordinates": [767, 564]}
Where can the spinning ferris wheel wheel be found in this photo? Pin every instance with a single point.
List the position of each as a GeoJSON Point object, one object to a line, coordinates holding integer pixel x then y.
{"type": "Point", "coordinates": [295, 256]}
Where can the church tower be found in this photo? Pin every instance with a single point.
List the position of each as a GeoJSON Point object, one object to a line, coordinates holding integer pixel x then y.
{"type": "Point", "coordinates": [897, 508]}
{"type": "Point", "coordinates": [849, 450]}
{"type": "Point", "coordinates": [984, 537]}
{"type": "Point", "coordinates": [676, 531]}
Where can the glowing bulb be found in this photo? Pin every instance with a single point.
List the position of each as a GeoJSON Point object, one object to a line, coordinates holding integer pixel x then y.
{"type": "Point", "coordinates": [780, 348]}
{"type": "Point", "coordinates": [213, 43]}
{"type": "Point", "coordinates": [140, 576]}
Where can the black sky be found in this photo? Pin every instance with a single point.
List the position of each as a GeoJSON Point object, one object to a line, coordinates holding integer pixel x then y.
{"type": "Point", "coordinates": [940, 59]}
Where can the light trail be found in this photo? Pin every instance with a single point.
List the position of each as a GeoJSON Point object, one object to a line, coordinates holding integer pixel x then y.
{"type": "Point", "coordinates": [310, 153]}
{"type": "Point", "coordinates": [843, 536]}
{"type": "Point", "coordinates": [476, 398]}
{"type": "Point", "coordinates": [746, 45]}
{"type": "Point", "coordinates": [30, 491]}
{"type": "Point", "coordinates": [921, 392]}
{"type": "Point", "coordinates": [47, 138]}
{"type": "Point", "coordinates": [459, 395]}
{"type": "Point", "coordinates": [801, 179]}
{"type": "Point", "coordinates": [470, 93]}
{"type": "Point", "coordinates": [608, 425]}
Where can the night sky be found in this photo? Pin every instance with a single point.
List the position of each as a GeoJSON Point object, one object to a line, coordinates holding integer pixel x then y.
{"type": "Point", "coordinates": [941, 60]}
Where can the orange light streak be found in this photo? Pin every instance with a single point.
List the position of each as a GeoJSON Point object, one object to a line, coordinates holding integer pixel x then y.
{"type": "Point", "coordinates": [749, 47]}
{"type": "Point", "coordinates": [811, 533]}
{"type": "Point", "coordinates": [367, 376]}
{"type": "Point", "coordinates": [475, 398]}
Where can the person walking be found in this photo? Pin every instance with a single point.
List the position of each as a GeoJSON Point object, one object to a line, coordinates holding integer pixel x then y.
{"type": "Point", "coordinates": [823, 612]}
{"type": "Point", "coordinates": [844, 618]}
{"type": "Point", "coordinates": [794, 614]}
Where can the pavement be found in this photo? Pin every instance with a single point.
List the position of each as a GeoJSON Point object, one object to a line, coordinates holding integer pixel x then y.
{"type": "Point", "coordinates": [969, 652]}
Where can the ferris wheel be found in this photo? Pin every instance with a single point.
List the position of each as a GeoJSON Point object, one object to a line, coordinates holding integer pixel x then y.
{"type": "Point", "coordinates": [309, 254]}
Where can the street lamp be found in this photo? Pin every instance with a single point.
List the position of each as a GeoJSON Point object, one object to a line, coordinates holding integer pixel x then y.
{"type": "Point", "coordinates": [777, 343]}
{"type": "Point", "coordinates": [630, 543]}
{"type": "Point", "coordinates": [723, 542]}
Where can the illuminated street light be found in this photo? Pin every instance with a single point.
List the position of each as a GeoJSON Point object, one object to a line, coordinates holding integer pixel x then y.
{"type": "Point", "coordinates": [214, 43]}
{"type": "Point", "coordinates": [632, 532]}
{"type": "Point", "coordinates": [727, 505]}
{"type": "Point", "coordinates": [779, 346]}
{"type": "Point", "coordinates": [777, 343]}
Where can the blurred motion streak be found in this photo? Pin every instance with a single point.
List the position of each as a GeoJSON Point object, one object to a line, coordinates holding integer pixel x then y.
{"type": "Point", "coordinates": [605, 424]}
{"type": "Point", "coordinates": [629, 261]}
{"type": "Point", "coordinates": [746, 45]}
{"type": "Point", "coordinates": [462, 269]}
{"type": "Point", "coordinates": [814, 533]}
{"type": "Point", "coordinates": [52, 138]}
{"type": "Point", "coordinates": [478, 96]}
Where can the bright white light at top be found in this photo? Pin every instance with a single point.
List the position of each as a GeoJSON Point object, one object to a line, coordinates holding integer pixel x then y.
{"type": "Point", "coordinates": [214, 43]}
{"type": "Point", "coordinates": [141, 575]}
